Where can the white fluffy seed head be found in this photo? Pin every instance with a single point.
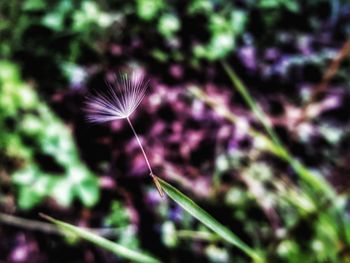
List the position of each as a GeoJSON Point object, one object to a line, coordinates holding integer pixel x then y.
{"type": "Point", "coordinates": [124, 93]}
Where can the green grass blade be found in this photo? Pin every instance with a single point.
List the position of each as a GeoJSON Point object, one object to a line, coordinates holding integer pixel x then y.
{"type": "Point", "coordinates": [197, 212]}
{"type": "Point", "coordinates": [258, 112]}
{"type": "Point", "coordinates": [313, 181]}
{"type": "Point", "coordinates": [118, 250]}
{"type": "Point", "coordinates": [197, 235]}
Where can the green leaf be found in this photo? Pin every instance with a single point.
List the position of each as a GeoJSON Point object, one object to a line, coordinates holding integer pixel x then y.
{"type": "Point", "coordinates": [28, 198]}
{"type": "Point", "coordinates": [88, 191]}
{"type": "Point", "coordinates": [49, 137]}
{"type": "Point", "coordinates": [168, 25]}
{"type": "Point", "coordinates": [62, 192]}
{"type": "Point", "coordinates": [197, 212]}
{"type": "Point", "coordinates": [149, 9]}
{"type": "Point", "coordinates": [34, 5]}
{"type": "Point", "coordinates": [117, 249]}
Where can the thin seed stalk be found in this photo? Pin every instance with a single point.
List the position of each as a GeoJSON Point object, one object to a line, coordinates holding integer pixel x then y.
{"type": "Point", "coordinates": [154, 178]}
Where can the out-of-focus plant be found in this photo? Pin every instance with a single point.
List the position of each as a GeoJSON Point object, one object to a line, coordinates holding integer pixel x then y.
{"type": "Point", "coordinates": [223, 31]}
{"type": "Point", "coordinates": [168, 25]}
{"type": "Point", "coordinates": [148, 9]}
{"type": "Point", "coordinates": [30, 132]}
{"type": "Point", "coordinates": [119, 217]}
{"type": "Point", "coordinates": [288, 4]}
{"type": "Point", "coordinates": [220, 28]}
{"type": "Point", "coordinates": [31, 29]}
{"type": "Point", "coordinates": [317, 184]}
{"type": "Point", "coordinates": [65, 17]}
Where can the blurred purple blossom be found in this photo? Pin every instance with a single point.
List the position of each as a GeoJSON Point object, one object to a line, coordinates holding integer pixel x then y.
{"type": "Point", "coordinates": [248, 56]}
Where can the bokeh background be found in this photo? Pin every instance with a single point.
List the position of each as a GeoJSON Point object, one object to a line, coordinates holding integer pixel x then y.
{"type": "Point", "coordinates": [197, 129]}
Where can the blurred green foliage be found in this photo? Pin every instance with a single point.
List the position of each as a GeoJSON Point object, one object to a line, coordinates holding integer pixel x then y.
{"type": "Point", "coordinates": [222, 26]}
{"type": "Point", "coordinates": [119, 217]}
{"type": "Point", "coordinates": [149, 9]}
{"type": "Point", "coordinates": [223, 31]}
{"type": "Point", "coordinates": [31, 134]}
{"type": "Point", "coordinates": [292, 6]}
{"type": "Point", "coordinates": [35, 137]}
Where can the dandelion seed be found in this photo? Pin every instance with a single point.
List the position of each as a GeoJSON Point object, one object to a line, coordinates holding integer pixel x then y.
{"type": "Point", "coordinates": [123, 96]}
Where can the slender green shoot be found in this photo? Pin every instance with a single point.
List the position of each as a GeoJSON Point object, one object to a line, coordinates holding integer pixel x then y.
{"type": "Point", "coordinates": [106, 244]}
{"type": "Point", "coordinates": [312, 181]}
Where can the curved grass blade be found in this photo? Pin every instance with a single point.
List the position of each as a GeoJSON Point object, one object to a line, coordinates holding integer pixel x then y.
{"type": "Point", "coordinates": [197, 212]}
{"type": "Point", "coordinates": [313, 181]}
{"type": "Point", "coordinates": [117, 249]}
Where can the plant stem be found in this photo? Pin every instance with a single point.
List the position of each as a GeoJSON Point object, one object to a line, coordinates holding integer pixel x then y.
{"type": "Point", "coordinates": [115, 248]}
{"type": "Point", "coordinates": [155, 180]}
{"type": "Point", "coordinates": [197, 235]}
{"type": "Point", "coordinates": [34, 225]}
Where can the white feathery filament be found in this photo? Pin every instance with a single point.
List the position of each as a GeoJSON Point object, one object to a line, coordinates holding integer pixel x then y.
{"type": "Point", "coordinates": [124, 94]}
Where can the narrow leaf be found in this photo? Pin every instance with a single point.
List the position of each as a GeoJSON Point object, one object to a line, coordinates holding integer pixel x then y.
{"type": "Point", "coordinates": [197, 212]}
{"type": "Point", "coordinates": [117, 249]}
{"type": "Point", "coordinates": [313, 181]}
